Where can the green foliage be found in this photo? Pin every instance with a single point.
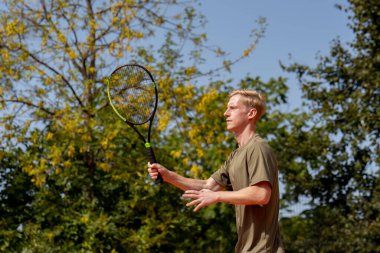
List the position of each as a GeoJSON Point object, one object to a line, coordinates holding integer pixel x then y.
{"type": "Point", "coordinates": [335, 158]}
{"type": "Point", "coordinates": [16, 196]}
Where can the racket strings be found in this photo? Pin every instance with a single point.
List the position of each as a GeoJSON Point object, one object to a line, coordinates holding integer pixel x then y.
{"type": "Point", "coordinates": [133, 94]}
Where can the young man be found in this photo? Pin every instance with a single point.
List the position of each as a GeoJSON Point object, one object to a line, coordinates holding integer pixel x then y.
{"type": "Point", "coordinates": [248, 179]}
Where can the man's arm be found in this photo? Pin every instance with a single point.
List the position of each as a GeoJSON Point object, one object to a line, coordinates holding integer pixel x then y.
{"type": "Point", "coordinates": [181, 182]}
{"type": "Point", "coordinates": [258, 194]}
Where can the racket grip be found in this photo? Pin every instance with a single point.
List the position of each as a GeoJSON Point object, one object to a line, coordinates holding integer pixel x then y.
{"type": "Point", "coordinates": [152, 159]}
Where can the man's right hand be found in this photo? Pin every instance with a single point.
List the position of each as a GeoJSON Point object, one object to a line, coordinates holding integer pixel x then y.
{"type": "Point", "coordinates": [155, 168]}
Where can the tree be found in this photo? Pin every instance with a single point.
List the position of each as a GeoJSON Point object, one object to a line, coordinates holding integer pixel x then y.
{"type": "Point", "coordinates": [81, 173]}
{"type": "Point", "coordinates": [16, 196]}
{"type": "Point", "coordinates": [336, 159]}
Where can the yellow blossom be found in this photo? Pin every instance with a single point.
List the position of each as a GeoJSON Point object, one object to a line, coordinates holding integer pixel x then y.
{"type": "Point", "coordinates": [85, 219]}
{"type": "Point", "coordinates": [176, 153]}
{"type": "Point", "coordinates": [195, 170]}
{"type": "Point", "coordinates": [49, 136]}
{"type": "Point", "coordinates": [71, 150]}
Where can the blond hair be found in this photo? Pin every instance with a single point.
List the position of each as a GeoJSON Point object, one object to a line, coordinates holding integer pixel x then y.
{"type": "Point", "coordinates": [252, 99]}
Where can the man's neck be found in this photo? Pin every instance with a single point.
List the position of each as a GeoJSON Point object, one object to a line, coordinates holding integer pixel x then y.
{"type": "Point", "coordinates": [245, 136]}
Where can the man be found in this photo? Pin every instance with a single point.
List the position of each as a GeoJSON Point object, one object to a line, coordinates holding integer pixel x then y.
{"type": "Point", "coordinates": [249, 175]}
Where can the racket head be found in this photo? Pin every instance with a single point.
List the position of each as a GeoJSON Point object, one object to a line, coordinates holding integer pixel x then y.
{"type": "Point", "coordinates": [132, 93]}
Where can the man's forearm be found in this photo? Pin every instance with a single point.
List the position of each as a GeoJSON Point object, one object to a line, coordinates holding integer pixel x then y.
{"type": "Point", "coordinates": [253, 195]}
{"type": "Point", "coordinates": [184, 183]}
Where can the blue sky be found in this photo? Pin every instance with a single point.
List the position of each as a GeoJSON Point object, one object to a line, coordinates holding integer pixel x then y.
{"type": "Point", "coordinates": [297, 28]}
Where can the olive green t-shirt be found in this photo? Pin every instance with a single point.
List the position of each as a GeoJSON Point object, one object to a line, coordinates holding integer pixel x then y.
{"type": "Point", "coordinates": [257, 226]}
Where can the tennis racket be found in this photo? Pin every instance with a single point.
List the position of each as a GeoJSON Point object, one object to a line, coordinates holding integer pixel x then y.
{"type": "Point", "coordinates": [132, 93]}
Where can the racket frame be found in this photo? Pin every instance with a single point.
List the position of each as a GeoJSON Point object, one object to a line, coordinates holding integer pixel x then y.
{"type": "Point", "coordinates": [147, 144]}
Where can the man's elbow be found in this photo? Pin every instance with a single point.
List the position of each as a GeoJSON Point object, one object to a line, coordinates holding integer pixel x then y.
{"type": "Point", "coordinates": [265, 197]}
{"type": "Point", "coordinates": [212, 185]}
{"type": "Point", "coordinates": [264, 193]}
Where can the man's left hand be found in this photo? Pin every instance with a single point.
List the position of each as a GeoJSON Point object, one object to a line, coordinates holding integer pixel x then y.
{"type": "Point", "coordinates": [201, 198]}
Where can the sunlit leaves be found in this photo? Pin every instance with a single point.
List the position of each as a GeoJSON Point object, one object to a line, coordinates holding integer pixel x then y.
{"type": "Point", "coordinates": [163, 121]}
{"type": "Point", "coordinates": [206, 100]}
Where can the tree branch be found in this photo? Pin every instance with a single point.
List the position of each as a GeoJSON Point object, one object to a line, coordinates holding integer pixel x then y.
{"type": "Point", "coordinates": [28, 103]}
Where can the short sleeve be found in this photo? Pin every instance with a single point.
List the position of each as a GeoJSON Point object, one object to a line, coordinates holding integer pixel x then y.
{"type": "Point", "coordinates": [222, 177]}
{"type": "Point", "coordinates": [262, 164]}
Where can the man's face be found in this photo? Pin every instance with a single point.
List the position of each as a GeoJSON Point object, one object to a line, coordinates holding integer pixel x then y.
{"type": "Point", "coordinates": [237, 114]}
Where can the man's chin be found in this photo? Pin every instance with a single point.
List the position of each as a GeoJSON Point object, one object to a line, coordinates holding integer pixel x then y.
{"type": "Point", "coordinates": [230, 129]}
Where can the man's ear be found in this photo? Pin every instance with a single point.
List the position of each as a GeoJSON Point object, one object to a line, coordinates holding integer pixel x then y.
{"type": "Point", "coordinates": [252, 113]}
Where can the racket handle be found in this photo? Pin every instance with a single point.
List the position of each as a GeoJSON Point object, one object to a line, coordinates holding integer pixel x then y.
{"type": "Point", "coordinates": [152, 159]}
